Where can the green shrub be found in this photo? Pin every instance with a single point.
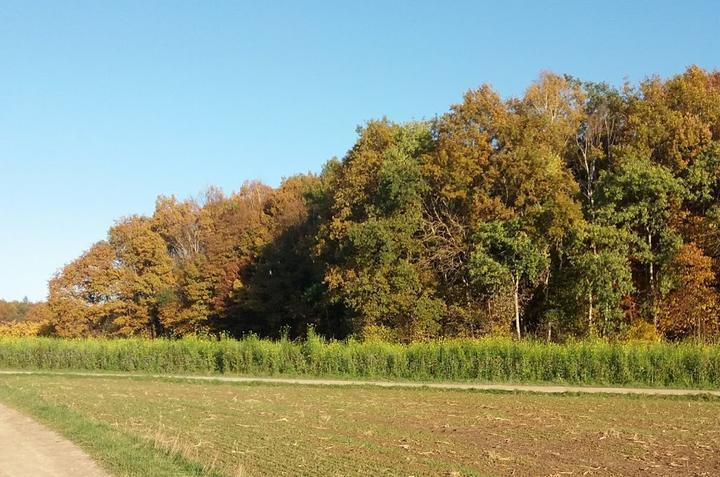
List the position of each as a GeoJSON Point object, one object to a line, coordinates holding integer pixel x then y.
{"type": "Point", "coordinates": [482, 360]}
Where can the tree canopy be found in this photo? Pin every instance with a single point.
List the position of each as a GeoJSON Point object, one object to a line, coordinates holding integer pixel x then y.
{"type": "Point", "coordinates": [578, 209]}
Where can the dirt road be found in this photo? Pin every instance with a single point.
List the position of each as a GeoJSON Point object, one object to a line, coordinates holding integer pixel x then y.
{"type": "Point", "coordinates": [30, 449]}
{"type": "Point", "coordinates": [539, 388]}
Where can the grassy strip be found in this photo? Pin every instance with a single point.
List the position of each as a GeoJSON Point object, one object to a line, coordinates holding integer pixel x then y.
{"type": "Point", "coordinates": [117, 452]}
{"type": "Point", "coordinates": [485, 360]}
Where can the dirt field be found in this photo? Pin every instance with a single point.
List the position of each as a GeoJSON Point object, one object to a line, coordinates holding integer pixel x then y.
{"type": "Point", "coordinates": [270, 429]}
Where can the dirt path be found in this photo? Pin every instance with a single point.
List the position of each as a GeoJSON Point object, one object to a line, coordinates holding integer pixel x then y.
{"type": "Point", "coordinates": [30, 449]}
{"type": "Point", "coordinates": [550, 389]}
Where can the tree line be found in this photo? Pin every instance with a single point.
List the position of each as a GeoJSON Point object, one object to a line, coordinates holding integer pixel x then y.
{"type": "Point", "coordinates": [579, 209]}
{"type": "Point", "coordinates": [22, 310]}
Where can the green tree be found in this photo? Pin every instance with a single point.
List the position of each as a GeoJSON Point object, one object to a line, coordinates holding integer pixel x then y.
{"type": "Point", "coordinates": [372, 240]}
{"type": "Point", "coordinates": [644, 198]}
{"type": "Point", "coordinates": [600, 275]}
{"type": "Point", "coordinates": [506, 256]}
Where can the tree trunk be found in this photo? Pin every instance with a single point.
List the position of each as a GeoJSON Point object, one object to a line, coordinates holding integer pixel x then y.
{"type": "Point", "coordinates": [605, 322]}
{"type": "Point", "coordinates": [517, 306]}
{"type": "Point", "coordinates": [652, 283]}
{"type": "Point", "coordinates": [652, 270]}
{"type": "Point", "coordinates": [590, 313]}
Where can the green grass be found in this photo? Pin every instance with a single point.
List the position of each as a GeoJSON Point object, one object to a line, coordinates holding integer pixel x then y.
{"type": "Point", "coordinates": [120, 453]}
{"type": "Point", "coordinates": [150, 427]}
{"type": "Point", "coordinates": [483, 360]}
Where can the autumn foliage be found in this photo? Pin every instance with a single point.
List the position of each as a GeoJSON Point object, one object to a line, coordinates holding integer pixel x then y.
{"type": "Point", "coordinates": [576, 210]}
{"type": "Point", "coordinates": [24, 318]}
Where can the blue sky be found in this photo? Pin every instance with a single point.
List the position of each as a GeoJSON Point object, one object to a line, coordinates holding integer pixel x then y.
{"type": "Point", "coordinates": [105, 105]}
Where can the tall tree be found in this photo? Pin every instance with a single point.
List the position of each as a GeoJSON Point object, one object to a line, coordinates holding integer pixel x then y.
{"type": "Point", "coordinates": [508, 257]}
{"type": "Point", "coordinates": [372, 241]}
{"type": "Point", "coordinates": [644, 198]}
{"type": "Point", "coordinates": [84, 295]}
{"type": "Point", "coordinates": [600, 275]}
{"type": "Point", "coordinates": [146, 276]}
{"type": "Point", "coordinates": [691, 308]}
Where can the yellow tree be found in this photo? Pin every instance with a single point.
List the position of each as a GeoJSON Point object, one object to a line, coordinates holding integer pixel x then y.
{"type": "Point", "coordinates": [691, 308]}
{"type": "Point", "coordinates": [672, 122]}
{"type": "Point", "coordinates": [83, 295]}
{"type": "Point", "coordinates": [146, 276]}
{"type": "Point", "coordinates": [187, 308]}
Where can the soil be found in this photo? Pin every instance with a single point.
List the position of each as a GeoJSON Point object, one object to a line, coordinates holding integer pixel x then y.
{"type": "Point", "coordinates": [30, 449]}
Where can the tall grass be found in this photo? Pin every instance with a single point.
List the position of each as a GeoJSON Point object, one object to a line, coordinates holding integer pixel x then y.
{"type": "Point", "coordinates": [483, 360]}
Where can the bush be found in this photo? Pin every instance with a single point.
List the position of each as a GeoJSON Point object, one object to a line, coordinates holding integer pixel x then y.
{"type": "Point", "coordinates": [483, 360]}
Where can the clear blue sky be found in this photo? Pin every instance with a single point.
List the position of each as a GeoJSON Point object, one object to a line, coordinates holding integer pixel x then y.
{"type": "Point", "coordinates": [104, 105]}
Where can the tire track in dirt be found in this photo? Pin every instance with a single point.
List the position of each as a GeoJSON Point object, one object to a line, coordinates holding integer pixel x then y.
{"type": "Point", "coordinates": [531, 388]}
